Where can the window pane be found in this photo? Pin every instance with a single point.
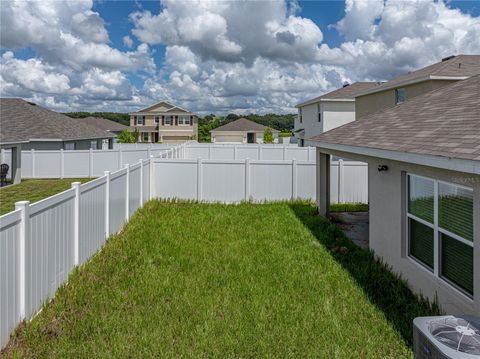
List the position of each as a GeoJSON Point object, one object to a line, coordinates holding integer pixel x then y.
{"type": "Point", "coordinates": [455, 210]}
{"type": "Point", "coordinates": [421, 242]}
{"type": "Point", "coordinates": [457, 262]}
{"type": "Point", "coordinates": [420, 199]}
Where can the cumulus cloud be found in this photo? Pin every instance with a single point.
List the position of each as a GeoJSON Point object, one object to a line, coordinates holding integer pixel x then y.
{"type": "Point", "coordinates": [220, 56]}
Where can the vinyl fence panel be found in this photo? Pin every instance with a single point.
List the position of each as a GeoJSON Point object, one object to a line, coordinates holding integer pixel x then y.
{"type": "Point", "coordinates": [92, 218]}
{"type": "Point", "coordinates": [306, 180]}
{"type": "Point", "coordinates": [271, 181]}
{"type": "Point", "coordinates": [9, 274]}
{"type": "Point", "coordinates": [47, 164]}
{"type": "Point", "coordinates": [223, 181]}
{"type": "Point", "coordinates": [146, 180]}
{"type": "Point", "coordinates": [77, 164]}
{"type": "Point", "coordinates": [118, 185]}
{"type": "Point", "coordinates": [175, 179]}
{"type": "Point", "coordinates": [134, 188]}
{"type": "Point", "coordinates": [105, 161]}
{"type": "Point", "coordinates": [49, 250]}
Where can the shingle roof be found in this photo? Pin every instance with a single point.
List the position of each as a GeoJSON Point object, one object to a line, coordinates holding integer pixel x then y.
{"type": "Point", "coordinates": [456, 66]}
{"type": "Point", "coordinates": [444, 122]}
{"type": "Point", "coordinates": [22, 121]}
{"type": "Point", "coordinates": [104, 124]}
{"type": "Point", "coordinates": [242, 124]}
{"type": "Point", "coordinates": [344, 93]}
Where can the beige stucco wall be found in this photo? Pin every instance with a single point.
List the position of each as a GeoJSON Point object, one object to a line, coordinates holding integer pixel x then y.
{"type": "Point", "coordinates": [388, 229]}
{"type": "Point", "coordinates": [243, 134]}
{"type": "Point", "coordinates": [367, 104]}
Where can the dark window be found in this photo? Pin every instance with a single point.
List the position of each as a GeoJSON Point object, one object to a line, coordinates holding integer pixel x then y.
{"type": "Point", "coordinates": [421, 242]}
{"type": "Point", "coordinates": [400, 95]}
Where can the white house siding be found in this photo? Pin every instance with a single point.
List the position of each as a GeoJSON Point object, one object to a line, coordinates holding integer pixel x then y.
{"type": "Point", "coordinates": [334, 114]}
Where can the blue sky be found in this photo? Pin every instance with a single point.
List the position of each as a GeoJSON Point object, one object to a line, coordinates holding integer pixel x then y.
{"type": "Point", "coordinates": [227, 56]}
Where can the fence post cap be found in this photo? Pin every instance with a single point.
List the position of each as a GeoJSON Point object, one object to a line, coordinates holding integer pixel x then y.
{"type": "Point", "coordinates": [21, 204]}
{"type": "Point", "coordinates": [76, 184]}
{"type": "Point", "coordinates": [106, 173]}
{"type": "Point", "coordinates": [126, 165]}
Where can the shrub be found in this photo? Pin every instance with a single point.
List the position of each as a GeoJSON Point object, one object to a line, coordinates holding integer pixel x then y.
{"type": "Point", "coordinates": [267, 136]}
{"type": "Point", "coordinates": [127, 137]}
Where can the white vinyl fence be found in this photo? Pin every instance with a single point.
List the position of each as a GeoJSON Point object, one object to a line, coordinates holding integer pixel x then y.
{"type": "Point", "coordinates": [85, 163]}
{"type": "Point", "coordinates": [233, 181]}
{"type": "Point", "coordinates": [41, 243]}
{"type": "Point", "coordinates": [252, 152]}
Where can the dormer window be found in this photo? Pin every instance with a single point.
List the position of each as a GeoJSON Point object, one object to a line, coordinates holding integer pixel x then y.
{"type": "Point", "coordinates": [400, 95]}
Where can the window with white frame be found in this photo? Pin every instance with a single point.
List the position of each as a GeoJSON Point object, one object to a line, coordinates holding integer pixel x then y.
{"type": "Point", "coordinates": [93, 145]}
{"type": "Point", "coordinates": [157, 119]}
{"type": "Point", "coordinates": [145, 136]}
{"type": "Point", "coordinates": [184, 120]}
{"type": "Point", "coordinates": [140, 120]}
{"type": "Point", "coordinates": [319, 113]}
{"type": "Point", "coordinates": [440, 229]}
{"type": "Point", "coordinates": [168, 120]}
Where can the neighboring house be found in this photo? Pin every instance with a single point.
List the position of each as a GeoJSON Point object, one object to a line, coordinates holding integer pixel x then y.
{"type": "Point", "coordinates": [424, 189]}
{"type": "Point", "coordinates": [241, 131]}
{"type": "Point", "coordinates": [41, 129]}
{"type": "Point", "coordinates": [106, 125]}
{"type": "Point", "coordinates": [164, 122]}
{"type": "Point", "coordinates": [328, 111]}
{"type": "Point", "coordinates": [407, 86]}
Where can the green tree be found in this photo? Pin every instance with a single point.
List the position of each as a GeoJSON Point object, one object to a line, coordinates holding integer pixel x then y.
{"type": "Point", "coordinates": [126, 137]}
{"type": "Point", "coordinates": [267, 136]}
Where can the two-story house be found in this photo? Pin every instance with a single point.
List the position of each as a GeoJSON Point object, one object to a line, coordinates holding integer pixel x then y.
{"type": "Point", "coordinates": [164, 122]}
{"type": "Point", "coordinates": [407, 86]}
{"type": "Point", "coordinates": [328, 111]}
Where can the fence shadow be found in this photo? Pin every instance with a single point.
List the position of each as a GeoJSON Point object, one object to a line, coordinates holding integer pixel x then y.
{"type": "Point", "coordinates": [386, 290]}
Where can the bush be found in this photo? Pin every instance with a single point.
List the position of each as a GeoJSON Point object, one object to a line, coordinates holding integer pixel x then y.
{"type": "Point", "coordinates": [127, 137]}
{"type": "Point", "coordinates": [267, 136]}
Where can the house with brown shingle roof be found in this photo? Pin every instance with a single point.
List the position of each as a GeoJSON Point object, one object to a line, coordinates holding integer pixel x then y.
{"type": "Point", "coordinates": [106, 125]}
{"type": "Point", "coordinates": [328, 111]}
{"type": "Point", "coordinates": [423, 159]}
{"type": "Point", "coordinates": [241, 131]}
{"type": "Point", "coordinates": [41, 129]}
{"type": "Point", "coordinates": [390, 93]}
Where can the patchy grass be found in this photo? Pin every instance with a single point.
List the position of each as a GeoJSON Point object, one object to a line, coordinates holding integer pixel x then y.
{"type": "Point", "coordinates": [33, 191]}
{"type": "Point", "coordinates": [348, 207]}
{"type": "Point", "coordinates": [212, 280]}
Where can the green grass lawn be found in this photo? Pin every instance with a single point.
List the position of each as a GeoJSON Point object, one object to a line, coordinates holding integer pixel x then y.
{"type": "Point", "coordinates": [348, 207]}
{"type": "Point", "coordinates": [33, 191]}
{"type": "Point", "coordinates": [227, 281]}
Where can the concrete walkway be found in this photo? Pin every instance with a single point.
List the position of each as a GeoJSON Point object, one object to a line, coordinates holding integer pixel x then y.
{"type": "Point", "coordinates": [355, 226]}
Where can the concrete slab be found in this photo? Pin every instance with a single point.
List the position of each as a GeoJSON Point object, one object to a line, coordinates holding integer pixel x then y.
{"type": "Point", "coordinates": [355, 225]}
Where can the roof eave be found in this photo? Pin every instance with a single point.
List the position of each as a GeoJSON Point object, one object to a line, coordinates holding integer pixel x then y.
{"type": "Point", "coordinates": [447, 163]}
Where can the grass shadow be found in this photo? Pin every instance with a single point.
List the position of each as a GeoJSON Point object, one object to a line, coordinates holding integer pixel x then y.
{"type": "Point", "coordinates": [385, 289]}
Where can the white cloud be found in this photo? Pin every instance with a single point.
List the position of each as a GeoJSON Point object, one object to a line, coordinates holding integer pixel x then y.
{"type": "Point", "coordinates": [220, 56]}
{"type": "Point", "coordinates": [127, 41]}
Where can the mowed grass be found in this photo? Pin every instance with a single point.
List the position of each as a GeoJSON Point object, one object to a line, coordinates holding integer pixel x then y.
{"type": "Point", "coordinates": [226, 281]}
{"type": "Point", "coordinates": [33, 191]}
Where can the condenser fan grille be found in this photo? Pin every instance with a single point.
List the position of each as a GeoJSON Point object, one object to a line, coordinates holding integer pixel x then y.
{"type": "Point", "coordinates": [458, 334]}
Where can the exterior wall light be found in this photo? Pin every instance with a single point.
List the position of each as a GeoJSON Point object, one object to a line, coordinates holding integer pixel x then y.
{"type": "Point", "coordinates": [382, 168]}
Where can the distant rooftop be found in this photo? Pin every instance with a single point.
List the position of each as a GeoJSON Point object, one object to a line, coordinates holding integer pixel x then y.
{"type": "Point", "coordinates": [242, 124]}
{"type": "Point", "coordinates": [104, 124]}
{"type": "Point", "coordinates": [443, 122]}
{"type": "Point", "coordinates": [347, 92]}
{"type": "Point", "coordinates": [452, 67]}
{"type": "Point", "coordinates": [22, 121]}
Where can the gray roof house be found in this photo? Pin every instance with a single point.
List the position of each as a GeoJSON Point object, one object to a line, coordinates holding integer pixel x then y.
{"type": "Point", "coordinates": [424, 189]}
{"type": "Point", "coordinates": [241, 131]}
{"type": "Point", "coordinates": [42, 129]}
{"type": "Point", "coordinates": [330, 110]}
{"type": "Point", "coordinates": [106, 125]}
{"type": "Point", "coordinates": [25, 126]}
